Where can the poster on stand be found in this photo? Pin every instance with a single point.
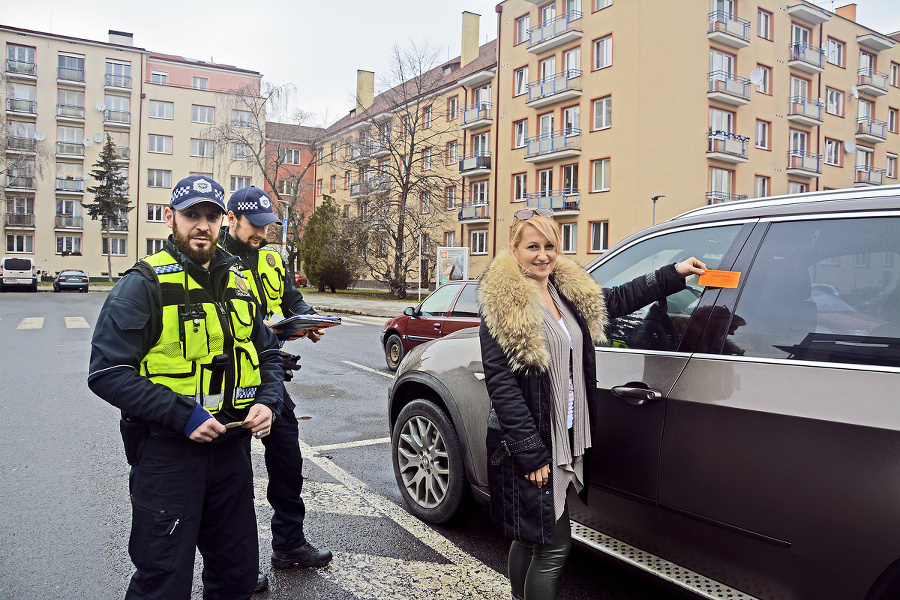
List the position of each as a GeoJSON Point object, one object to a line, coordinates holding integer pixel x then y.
{"type": "Point", "coordinates": [452, 264]}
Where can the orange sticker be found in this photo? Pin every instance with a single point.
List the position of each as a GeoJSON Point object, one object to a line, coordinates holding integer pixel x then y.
{"type": "Point", "coordinates": [720, 279]}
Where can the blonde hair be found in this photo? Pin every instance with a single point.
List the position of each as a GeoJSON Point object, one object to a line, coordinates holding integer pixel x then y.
{"type": "Point", "coordinates": [545, 225]}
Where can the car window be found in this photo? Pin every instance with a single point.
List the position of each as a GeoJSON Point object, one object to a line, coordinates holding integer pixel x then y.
{"type": "Point", "coordinates": [661, 325]}
{"type": "Point", "coordinates": [438, 303]}
{"type": "Point", "coordinates": [467, 303]}
{"type": "Point", "coordinates": [823, 290]}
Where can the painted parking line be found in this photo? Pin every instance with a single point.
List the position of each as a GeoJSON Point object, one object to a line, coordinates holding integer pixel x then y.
{"type": "Point", "coordinates": [351, 444]}
{"type": "Point", "coordinates": [76, 323]}
{"type": "Point", "coordinates": [369, 369]}
{"type": "Point", "coordinates": [31, 323]}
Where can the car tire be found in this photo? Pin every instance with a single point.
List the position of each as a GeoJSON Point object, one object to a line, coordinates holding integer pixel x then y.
{"type": "Point", "coordinates": [55, 289]}
{"type": "Point", "coordinates": [428, 462]}
{"type": "Point", "coordinates": [393, 351]}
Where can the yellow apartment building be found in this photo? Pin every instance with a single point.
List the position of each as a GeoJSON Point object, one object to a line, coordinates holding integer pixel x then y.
{"type": "Point", "coordinates": [62, 96]}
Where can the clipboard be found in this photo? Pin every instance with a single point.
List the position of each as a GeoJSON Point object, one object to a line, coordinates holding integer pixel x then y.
{"type": "Point", "coordinates": [291, 326]}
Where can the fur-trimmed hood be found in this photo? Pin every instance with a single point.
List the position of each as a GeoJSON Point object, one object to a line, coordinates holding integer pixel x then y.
{"type": "Point", "coordinates": [511, 307]}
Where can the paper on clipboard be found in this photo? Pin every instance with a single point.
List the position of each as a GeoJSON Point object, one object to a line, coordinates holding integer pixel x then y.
{"type": "Point", "coordinates": [303, 324]}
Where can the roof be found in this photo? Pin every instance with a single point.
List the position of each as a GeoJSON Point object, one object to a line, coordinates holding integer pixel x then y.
{"type": "Point", "coordinates": [70, 38]}
{"type": "Point", "coordinates": [200, 63]}
{"type": "Point", "coordinates": [287, 132]}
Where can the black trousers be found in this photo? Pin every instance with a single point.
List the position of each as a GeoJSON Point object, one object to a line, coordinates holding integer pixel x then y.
{"type": "Point", "coordinates": [186, 496]}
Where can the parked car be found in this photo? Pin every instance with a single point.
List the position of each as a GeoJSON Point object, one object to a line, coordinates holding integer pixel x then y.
{"type": "Point", "coordinates": [71, 279]}
{"type": "Point", "coordinates": [18, 272]}
{"type": "Point", "coordinates": [300, 280]}
{"type": "Point", "coordinates": [451, 307]}
{"type": "Point", "coordinates": [747, 439]}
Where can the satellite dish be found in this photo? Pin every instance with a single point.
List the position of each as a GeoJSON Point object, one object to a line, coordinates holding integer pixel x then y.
{"type": "Point", "coordinates": [98, 137]}
{"type": "Point", "coordinates": [855, 92]}
{"type": "Point", "coordinates": [100, 106]}
{"type": "Point", "coordinates": [39, 136]}
{"type": "Point", "coordinates": [849, 147]}
{"type": "Point", "coordinates": [756, 77]}
{"type": "Point", "coordinates": [87, 142]}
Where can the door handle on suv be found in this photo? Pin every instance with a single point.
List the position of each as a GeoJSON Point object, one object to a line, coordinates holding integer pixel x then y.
{"type": "Point", "coordinates": [637, 395]}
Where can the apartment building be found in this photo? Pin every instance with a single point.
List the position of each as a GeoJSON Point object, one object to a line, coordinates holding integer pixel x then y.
{"type": "Point", "coordinates": [62, 97]}
{"type": "Point", "coordinates": [291, 168]}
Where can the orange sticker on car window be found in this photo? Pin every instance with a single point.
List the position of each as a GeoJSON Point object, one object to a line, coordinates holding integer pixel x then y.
{"type": "Point", "coordinates": [720, 279]}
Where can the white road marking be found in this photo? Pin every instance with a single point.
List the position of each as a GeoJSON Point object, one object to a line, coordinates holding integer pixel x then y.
{"type": "Point", "coordinates": [77, 323]}
{"type": "Point", "coordinates": [365, 319]}
{"type": "Point", "coordinates": [31, 323]}
{"type": "Point", "coordinates": [370, 370]}
{"type": "Point", "coordinates": [352, 444]}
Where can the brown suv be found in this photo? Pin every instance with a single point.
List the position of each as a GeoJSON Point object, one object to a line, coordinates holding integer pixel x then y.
{"type": "Point", "coordinates": [767, 465]}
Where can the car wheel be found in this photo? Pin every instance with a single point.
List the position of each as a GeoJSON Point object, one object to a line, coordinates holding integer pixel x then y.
{"type": "Point", "coordinates": [428, 462]}
{"type": "Point", "coordinates": [85, 290]}
{"type": "Point", "coordinates": [55, 289]}
{"type": "Point", "coordinates": [393, 351]}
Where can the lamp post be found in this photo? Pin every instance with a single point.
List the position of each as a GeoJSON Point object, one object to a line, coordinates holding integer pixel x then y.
{"type": "Point", "coordinates": [655, 198]}
{"type": "Point", "coordinates": [284, 228]}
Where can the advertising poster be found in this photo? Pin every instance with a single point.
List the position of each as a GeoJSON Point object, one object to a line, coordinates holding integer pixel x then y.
{"type": "Point", "coordinates": [452, 264]}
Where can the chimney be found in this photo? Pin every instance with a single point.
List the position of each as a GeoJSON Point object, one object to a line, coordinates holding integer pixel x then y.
{"type": "Point", "coordinates": [469, 49]}
{"type": "Point", "coordinates": [848, 11]}
{"type": "Point", "coordinates": [122, 38]}
{"type": "Point", "coordinates": [365, 90]}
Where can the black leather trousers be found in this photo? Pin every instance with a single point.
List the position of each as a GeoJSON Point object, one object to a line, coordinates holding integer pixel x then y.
{"type": "Point", "coordinates": [534, 569]}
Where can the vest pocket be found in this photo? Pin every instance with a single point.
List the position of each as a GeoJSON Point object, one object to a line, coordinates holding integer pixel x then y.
{"type": "Point", "coordinates": [241, 320]}
{"type": "Point", "coordinates": [194, 335]}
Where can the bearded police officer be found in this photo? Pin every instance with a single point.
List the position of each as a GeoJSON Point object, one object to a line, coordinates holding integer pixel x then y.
{"type": "Point", "coordinates": [180, 347]}
{"type": "Point", "coordinates": [249, 215]}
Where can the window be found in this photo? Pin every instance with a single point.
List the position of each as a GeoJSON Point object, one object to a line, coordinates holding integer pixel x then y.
{"type": "Point", "coordinates": [603, 52]}
{"type": "Point", "coordinates": [833, 152]}
{"type": "Point", "coordinates": [241, 118]}
{"type": "Point", "coordinates": [449, 239]}
{"type": "Point", "coordinates": [160, 109]}
{"type": "Point", "coordinates": [426, 159]}
{"type": "Point", "coordinates": [426, 117]}
{"type": "Point", "coordinates": [795, 187]}
{"type": "Point", "coordinates": [520, 131]}
{"type": "Point", "coordinates": [118, 74]}
{"type": "Point", "coordinates": [161, 144]}
{"type": "Point", "coordinates": [894, 75]}
{"type": "Point", "coordinates": [452, 108]}
{"type": "Point", "coordinates": [480, 192]}
{"type": "Point", "coordinates": [481, 144]}
{"type": "Point", "coordinates": [23, 55]}
{"type": "Point", "coordinates": [452, 152]}
{"type": "Point", "coordinates": [116, 243]}
{"type": "Point", "coordinates": [602, 113]}
{"type": "Point", "coordinates": [890, 164]}
{"type": "Point", "coordinates": [834, 52]}
{"type": "Point", "coordinates": [241, 152]}
{"type": "Point", "coordinates": [70, 135]}
{"type": "Point", "coordinates": [290, 156]}
{"type": "Point", "coordinates": [762, 134]}
{"type": "Point", "coordinates": [520, 81]}
{"type": "Point", "coordinates": [720, 185]}
{"type": "Point", "coordinates": [601, 4]}
{"type": "Point", "coordinates": [522, 25]}
{"type": "Point", "coordinates": [568, 231]}
{"type": "Point", "coordinates": [202, 148]}
{"type": "Point", "coordinates": [763, 86]}
{"type": "Point", "coordinates": [332, 184]}
{"type": "Point", "coordinates": [199, 83]}
{"type": "Point", "coordinates": [425, 203]}
{"type": "Point", "coordinates": [600, 175]}
{"type": "Point", "coordinates": [799, 140]}
{"type": "Point", "coordinates": [599, 236]}
{"type": "Point", "coordinates": [319, 187]}
{"type": "Point", "coordinates": [572, 62]}
{"type": "Point", "coordinates": [346, 180]}
{"type": "Point", "coordinates": [572, 120]}
{"type": "Point", "coordinates": [71, 67]}
{"type": "Point", "coordinates": [545, 182]}
{"type": "Point", "coordinates": [154, 246]}
{"type": "Point", "coordinates": [71, 103]}
{"type": "Point", "coordinates": [892, 120]}
{"type": "Point", "coordinates": [202, 114]}
{"type": "Point", "coordinates": [450, 197]}
{"type": "Point", "coordinates": [570, 179]}
{"type": "Point", "coordinates": [156, 213]}
{"type": "Point", "coordinates": [159, 178]}
{"type": "Point", "coordinates": [238, 182]}
{"type": "Point", "coordinates": [764, 24]}
{"type": "Point", "coordinates": [159, 77]}
{"type": "Point", "coordinates": [68, 244]}
{"type": "Point", "coordinates": [834, 102]}
{"type": "Point", "coordinates": [760, 186]}
{"type": "Point", "coordinates": [18, 242]}
{"type": "Point", "coordinates": [478, 244]}
{"type": "Point", "coordinates": [288, 187]}
{"type": "Point", "coordinates": [520, 187]}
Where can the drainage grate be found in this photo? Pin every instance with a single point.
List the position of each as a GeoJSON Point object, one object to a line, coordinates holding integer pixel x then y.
{"type": "Point", "coordinates": [694, 582]}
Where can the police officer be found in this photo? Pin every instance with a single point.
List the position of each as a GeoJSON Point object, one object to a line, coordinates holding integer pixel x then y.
{"type": "Point", "coordinates": [249, 215]}
{"type": "Point", "coordinates": [180, 347]}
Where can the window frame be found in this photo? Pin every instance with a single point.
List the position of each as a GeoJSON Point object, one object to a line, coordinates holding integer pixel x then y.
{"type": "Point", "coordinates": [482, 247]}
{"type": "Point", "coordinates": [595, 55]}
{"type": "Point", "coordinates": [604, 230]}
{"type": "Point", "coordinates": [198, 111]}
{"type": "Point", "coordinates": [594, 187]}
{"type": "Point", "coordinates": [159, 138]}
{"type": "Point", "coordinates": [164, 103]}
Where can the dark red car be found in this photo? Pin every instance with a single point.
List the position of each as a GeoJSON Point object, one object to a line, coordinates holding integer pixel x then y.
{"type": "Point", "coordinates": [451, 307]}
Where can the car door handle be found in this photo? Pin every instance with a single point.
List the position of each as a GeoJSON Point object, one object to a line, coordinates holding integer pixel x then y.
{"type": "Point", "coordinates": [637, 395]}
{"type": "Point", "coordinates": [437, 325]}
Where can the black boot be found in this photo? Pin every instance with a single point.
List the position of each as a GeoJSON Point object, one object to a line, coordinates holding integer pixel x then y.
{"type": "Point", "coordinates": [306, 555]}
{"type": "Point", "coordinates": [262, 583]}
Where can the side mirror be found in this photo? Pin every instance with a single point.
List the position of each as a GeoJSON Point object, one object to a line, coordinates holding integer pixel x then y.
{"type": "Point", "coordinates": [409, 311]}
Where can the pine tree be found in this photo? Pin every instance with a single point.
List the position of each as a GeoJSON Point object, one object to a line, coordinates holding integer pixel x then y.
{"type": "Point", "coordinates": [111, 201]}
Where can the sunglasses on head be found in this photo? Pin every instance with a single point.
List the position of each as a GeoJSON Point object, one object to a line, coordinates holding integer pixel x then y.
{"type": "Point", "coordinates": [527, 213]}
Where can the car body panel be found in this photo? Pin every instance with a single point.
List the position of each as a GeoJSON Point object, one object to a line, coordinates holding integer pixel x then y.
{"type": "Point", "coordinates": [18, 272]}
{"type": "Point", "coordinates": [71, 279]}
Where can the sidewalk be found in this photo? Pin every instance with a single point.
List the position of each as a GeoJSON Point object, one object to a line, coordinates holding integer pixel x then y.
{"type": "Point", "coordinates": [335, 303]}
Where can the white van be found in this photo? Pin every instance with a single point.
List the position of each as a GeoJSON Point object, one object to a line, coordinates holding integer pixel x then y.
{"type": "Point", "coordinates": [16, 271]}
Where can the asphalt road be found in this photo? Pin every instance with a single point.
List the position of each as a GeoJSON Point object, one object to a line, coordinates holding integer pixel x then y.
{"type": "Point", "coordinates": [65, 513]}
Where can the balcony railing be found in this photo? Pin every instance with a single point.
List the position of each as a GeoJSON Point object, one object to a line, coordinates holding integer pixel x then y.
{"type": "Point", "coordinates": [20, 182]}
{"type": "Point", "coordinates": [70, 110]}
{"type": "Point", "coordinates": [20, 67]}
{"type": "Point", "coordinates": [562, 199]}
{"type": "Point", "coordinates": [477, 161]}
{"type": "Point", "coordinates": [553, 142]}
{"type": "Point", "coordinates": [804, 164]}
{"type": "Point", "coordinates": [366, 150]}
{"type": "Point", "coordinates": [70, 74]}
{"type": "Point", "coordinates": [717, 197]}
{"type": "Point", "coordinates": [69, 185]}
{"type": "Point", "coordinates": [474, 211]}
{"type": "Point", "coordinates": [805, 110]}
{"type": "Point", "coordinates": [22, 144]}
{"type": "Point", "coordinates": [553, 28]}
{"type": "Point", "coordinates": [727, 144]}
{"type": "Point", "coordinates": [21, 105]}
{"type": "Point", "coordinates": [870, 129]}
{"type": "Point", "coordinates": [20, 219]}
{"type": "Point", "coordinates": [806, 57]}
{"type": "Point", "coordinates": [870, 81]}
{"type": "Point", "coordinates": [869, 175]}
{"type": "Point", "coordinates": [119, 81]}
{"type": "Point", "coordinates": [122, 152]}
{"type": "Point", "coordinates": [729, 87]}
{"type": "Point", "coordinates": [729, 29]}
{"type": "Point", "coordinates": [568, 80]}
{"type": "Point", "coordinates": [480, 111]}
{"type": "Point", "coordinates": [69, 222]}
{"type": "Point", "coordinates": [120, 224]}
{"type": "Point", "coordinates": [117, 116]}
{"type": "Point", "coordinates": [369, 186]}
{"type": "Point", "coordinates": [72, 148]}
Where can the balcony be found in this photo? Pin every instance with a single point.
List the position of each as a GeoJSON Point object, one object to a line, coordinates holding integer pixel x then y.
{"type": "Point", "coordinates": [19, 220]}
{"type": "Point", "coordinates": [21, 105]}
{"type": "Point", "coordinates": [365, 151]}
{"type": "Point", "coordinates": [20, 144]}
{"type": "Point", "coordinates": [717, 197]}
{"type": "Point", "coordinates": [122, 153]}
{"type": "Point", "coordinates": [21, 69]}
{"type": "Point", "coordinates": [472, 165]}
{"type": "Point", "coordinates": [73, 185]}
{"type": "Point", "coordinates": [868, 176]}
{"type": "Point", "coordinates": [70, 111]}
{"type": "Point", "coordinates": [555, 88]}
{"type": "Point", "coordinates": [116, 117]}
{"type": "Point", "coordinates": [474, 214]}
{"type": "Point", "coordinates": [370, 186]}
{"type": "Point", "coordinates": [118, 81]}
{"type": "Point", "coordinates": [478, 77]}
{"type": "Point", "coordinates": [870, 130]}
{"type": "Point", "coordinates": [871, 82]}
{"type": "Point", "coordinates": [120, 224]}
{"type": "Point", "coordinates": [550, 146]}
{"type": "Point", "coordinates": [729, 88]}
{"type": "Point", "coordinates": [727, 147]}
{"type": "Point", "coordinates": [18, 182]}
{"type": "Point", "coordinates": [804, 164]}
{"type": "Point", "coordinates": [874, 41]}
{"type": "Point", "coordinates": [556, 32]}
{"type": "Point", "coordinates": [728, 29]}
{"type": "Point", "coordinates": [807, 58]}
{"type": "Point", "coordinates": [804, 111]}
{"type": "Point", "coordinates": [810, 14]}
{"type": "Point", "coordinates": [562, 202]}
{"type": "Point", "coordinates": [69, 74]}
{"type": "Point", "coordinates": [69, 149]}
{"type": "Point", "coordinates": [69, 222]}
{"type": "Point", "coordinates": [476, 115]}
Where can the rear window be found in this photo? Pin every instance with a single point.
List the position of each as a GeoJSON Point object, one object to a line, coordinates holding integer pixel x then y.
{"type": "Point", "coordinates": [17, 264]}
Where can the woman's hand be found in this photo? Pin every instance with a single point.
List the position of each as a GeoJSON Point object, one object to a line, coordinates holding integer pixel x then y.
{"type": "Point", "coordinates": [539, 477]}
{"type": "Point", "coordinates": [690, 266]}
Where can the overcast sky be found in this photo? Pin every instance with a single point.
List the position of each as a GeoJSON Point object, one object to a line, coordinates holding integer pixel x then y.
{"type": "Point", "coordinates": [315, 45]}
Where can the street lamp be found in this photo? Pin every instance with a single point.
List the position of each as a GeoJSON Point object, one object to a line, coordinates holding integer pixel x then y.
{"type": "Point", "coordinates": [655, 198]}
{"type": "Point", "coordinates": [284, 228]}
